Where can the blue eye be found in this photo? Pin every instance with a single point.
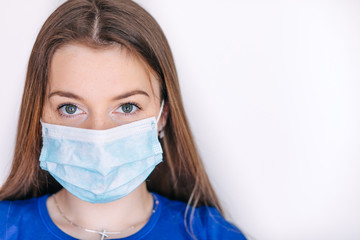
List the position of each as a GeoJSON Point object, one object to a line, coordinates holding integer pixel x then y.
{"type": "Point", "coordinates": [70, 109]}
{"type": "Point", "coordinates": [127, 108]}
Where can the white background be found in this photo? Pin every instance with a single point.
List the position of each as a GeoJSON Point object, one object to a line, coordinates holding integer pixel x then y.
{"type": "Point", "coordinates": [271, 89]}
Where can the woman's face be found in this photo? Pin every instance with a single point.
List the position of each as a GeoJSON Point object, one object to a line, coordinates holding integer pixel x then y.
{"type": "Point", "coordinates": [99, 88]}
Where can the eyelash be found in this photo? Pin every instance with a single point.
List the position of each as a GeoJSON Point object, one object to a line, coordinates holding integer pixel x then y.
{"type": "Point", "coordinates": [65, 115]}
{"type": "Point", "coordinates": [131, 103]}
{"type": "Point", "coordinates": [71, 116]}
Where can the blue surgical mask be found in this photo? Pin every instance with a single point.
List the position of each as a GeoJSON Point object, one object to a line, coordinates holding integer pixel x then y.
{"type": "Point", "coordinates": [100, 166]}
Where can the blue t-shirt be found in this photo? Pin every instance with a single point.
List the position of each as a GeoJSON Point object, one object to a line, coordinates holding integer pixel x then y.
{"type": "Point", "coordinates": [29, 219]}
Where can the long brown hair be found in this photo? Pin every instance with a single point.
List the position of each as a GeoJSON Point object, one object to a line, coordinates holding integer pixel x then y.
{"type": "Point", "coordinates": [100, 23]}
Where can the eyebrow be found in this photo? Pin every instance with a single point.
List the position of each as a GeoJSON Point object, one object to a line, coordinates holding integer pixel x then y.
{"type": "Point", "coordinates": [65, 94]}
{"type": "Point", "coordinates": [131, 93]}
{"type": "Point", "coordinates": [74, 96]}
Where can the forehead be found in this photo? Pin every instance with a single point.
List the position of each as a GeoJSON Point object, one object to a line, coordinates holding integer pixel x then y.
{"type": "Point", "coordinates": [101, 72]}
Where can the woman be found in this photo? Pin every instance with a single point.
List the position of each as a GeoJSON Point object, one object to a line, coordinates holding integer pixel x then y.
{"type": "Point", "coordinates": [101, 108]}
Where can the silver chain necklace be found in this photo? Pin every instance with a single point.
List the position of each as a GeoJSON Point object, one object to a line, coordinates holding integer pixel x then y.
{"type": "Point", "coordinates": [104, 234]}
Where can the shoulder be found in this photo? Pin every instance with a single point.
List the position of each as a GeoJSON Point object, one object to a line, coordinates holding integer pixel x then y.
{"type": "Point", "coordinates": [5, 208]}
{"type": "Point", "coordinates": [14, 214]}
{"type": "Point", "coordinates": [210, 224]}
{"type": "Point", "coordinates": [171, 206]}
{"type": "Point", "coordinates": [13, 208]}
{"type": "Point", "coordinates": [204, 222]}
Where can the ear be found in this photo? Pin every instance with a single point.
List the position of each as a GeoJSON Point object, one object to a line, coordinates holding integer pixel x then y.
{"type": "Point", "coordinates": [164, 116]}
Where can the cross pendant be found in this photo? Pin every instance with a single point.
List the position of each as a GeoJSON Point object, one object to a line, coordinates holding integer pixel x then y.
{"type": "Point", "coordinates": [103, 234]}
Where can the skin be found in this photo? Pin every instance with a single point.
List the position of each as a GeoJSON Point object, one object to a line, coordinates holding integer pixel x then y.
{"type": "Point", "coordinates": [100, 89]}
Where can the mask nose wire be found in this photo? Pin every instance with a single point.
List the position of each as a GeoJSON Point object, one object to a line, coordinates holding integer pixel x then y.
{"type": "Point", "coordinates": [161, 109]}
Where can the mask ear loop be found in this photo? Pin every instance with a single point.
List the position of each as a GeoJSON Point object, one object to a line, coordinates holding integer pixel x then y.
{"type": "Point", "coordinates": [161, 109]}
{"type": "Point", "coordinates": [161, 133]}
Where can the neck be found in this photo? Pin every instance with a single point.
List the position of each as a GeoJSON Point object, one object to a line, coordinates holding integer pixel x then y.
{"type": "Point", "coordinates": [132, 210]}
